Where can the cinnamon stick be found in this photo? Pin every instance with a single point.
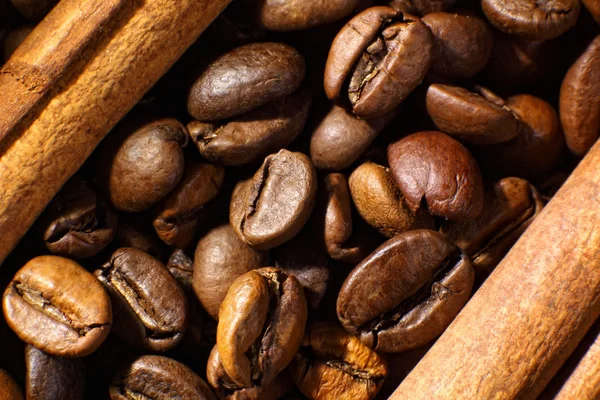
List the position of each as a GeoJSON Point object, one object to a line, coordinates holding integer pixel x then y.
{"type": "Point", "coordinates": [79, 72]}
{"type": "Point", "coordinates": [528, 317]}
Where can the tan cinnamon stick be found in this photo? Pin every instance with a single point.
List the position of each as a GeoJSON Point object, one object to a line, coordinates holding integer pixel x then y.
{"type": "Point", "coordinates": [533, 310]}
{"type": "Point", "coordinates": [71, 81]}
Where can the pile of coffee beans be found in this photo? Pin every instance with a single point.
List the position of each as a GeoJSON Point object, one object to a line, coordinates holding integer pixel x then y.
{"type": "Point", "coordinates": [304, 203]}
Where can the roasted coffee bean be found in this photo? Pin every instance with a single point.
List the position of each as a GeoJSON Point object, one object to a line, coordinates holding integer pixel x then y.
{"type": "Point", "coordinates": [341, 137]}
{"type": "Point", "coordinates": [34, 10]}
{"type": "Point", "coordinates": [179, 214]}
{"type": "Point", "coordinates": [384, 54]}
{"type": "Point", "coordinates": [77, 223]}
{"type": "Point", "coordinates": [334, 222]}
{"type": "Point", "coordinates": [511, 205]}
{"type": "Point", "coordinates": [580, 101]}
{"type": "Point", "coordinates": [421, 7]}
{"type": "Point", "coordinates": [261, 324]}
{"type": "Point", "coordinates": [226, 389]}
{"type": "Point", "coordinates": [51, 377]}
{"type": "Point", "coordinates": [407, 292]}
{"type": "Point", "coordinates": [159, 378]}
{"type": "Point", "coordinates": [272, 207]}
{"type": "Point", "coordinates": [245, 78]}
{"type": "Point", "coordinates": [255, 134]}
{"type": "Point", "coordinates": [151, 310]}
{"type": "Point", "coordinates": [14, 38]}
{"type": "Point", "coordinates": [433, 168]}
{"type": "Point", "coordinates": [182, 268]}
{"type": "Point", "coordinates": [350, 369]}
{"type": "Point", "coordinates": [380, 202]}
{"type": "Point", "coordinates": [9, 390]}
{"type": "Point", "coordinates": [220, 258]}
{"type": "Point", "coordinates": [462, 46]}
{"type": "Point", "coordinates": [537, 148]}
{"type": "Point", "coordinates": [57, 306]}
{"type": "Point", "coordinates": [142, 163]}
{"type": "Point", "coordinates": [477, 117]}
{"type": "Point", "coordinates": [532, 19]}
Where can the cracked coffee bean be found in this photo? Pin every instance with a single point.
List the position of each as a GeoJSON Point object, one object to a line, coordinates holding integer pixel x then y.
{"type": "Point", "coordinates": [406, 292]}
{"type": "Point", "coordinates": [332, 364]}
{"type": "Point", "coordinates": [151, 310]}
{"type": "Point", "coordinates": [379, 57]}
{"type": "Point", "coordinates": [261, 324]}
{"type": "Point", "coordinates": [57, 306]}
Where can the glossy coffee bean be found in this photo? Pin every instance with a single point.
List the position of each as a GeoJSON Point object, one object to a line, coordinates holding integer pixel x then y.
{"type": "Point", "coordinates": [179, 214]}
{"type": "Point", "coordinates": [341, 138]}
{"type": "Point", "coordinates": [245, 78]}
{"type": "Point", "coordinates": [51, 377]}
{"type": "Point", "coordinates": [532, 19]}
{"type": "Point", "coordinates": [477, 117]}
{"type": "Point", "coordinates": [580, 101]}
{"type": "Point", "coordinates": [151, 310]}
{"type": "Point", "coordinates": [159, 378]}
{"type": "Point", "coordinates": [9, 389]}
{"type": "Point", "coordinates": [511, 205]}
{"type": "Point", "coordinates": [272, 207]}
{"type": "Point", "coordinates": [77, 223]}
{"type": "Point", "coordinates": [141, 164]}
{"type": "Point", "coordinates": [226, 389]}
{"type": "Point", "coordinates": [13, 39]}
{"type": "Point", "coordinates": [251, 354]}
{"type": "Point", "coordinates": [463, 43]}
{"type": "Point", "coordinates": [255, 134]}
{"type": "Point", "coordinates": [57, 306]}
{"type": "Point", "coordinates": [380, 202]}
{"type": "Point", "coordinates": [376, 40]}
{"type": "Point", "coordinates": [421, 7]}
{"type": "Point", "coordinates": [433, 168]}
{"type": "Point", "coordinates": [406, 292]}
{"type": "Point", "coordinates": [333, 364]}
{"type": "Point", "coordinates": [34, 10]}
{"type": "Point", "coordinates": [221, 257]}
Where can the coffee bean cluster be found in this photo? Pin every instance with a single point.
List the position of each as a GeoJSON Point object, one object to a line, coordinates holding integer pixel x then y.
{"type": "Point", "coordinates": [304, 203]}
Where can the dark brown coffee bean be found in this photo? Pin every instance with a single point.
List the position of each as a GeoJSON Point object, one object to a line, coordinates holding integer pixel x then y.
{"type": "Point", "coordinates": [261, 324]}
{"type": "Point", "coordinates": [151, 310]}
{"type": "Point", "coordinates": [50, 377]}
{"type": "Point", "coordinates": [384, 54]}
{"type": "Point", "coordinates": [580, 101]}
{"type": "Point", "coordinates": [274, 205]}
{"type": "Point", "coordinates": [159, 378]}
{"type": "Point", "coordinates": [333, 364]}
{"type": "Point", "coordinates": [181, 266]}
{"type": "Point", "coordinates": [140, 165]}
{"type": "Point", "coordinates": [480, 118]}
{"type": "Point", "coordinates": [179, 214]}
{"type": "Point", "coordinates": [433, 168]}
{"type": "Point", "coordinates": [34, 10]}
{"type": "Point", "coordinates": [14, 38]}
{"type": "Point", "coordinates": [9, 390]}
{"type": "Point", "coordinates": [380, 202]}
{"type": "Point", "coordinates": [245, 78]}
{"type": "Point", "coordinates": [77, 223]}
{"type": "Point", "coordinates": [255, 134]}
{"type": "Point", "coordinates": [226, 389]}
{"type": "Point", "coordinates": [57, 306]}
{"type": "Point", "coordinates": [421, 7]}
{"type": "Point", "coordinates": [532, 19]}
{"type": "Point", "coordinates": [220, 258]}
{"type": "Point", "coordinates": [511, 205]}
{"type": "Point", "coordinates": [341, 138]}
{"type": "Point", "coordinates": [407, 292]}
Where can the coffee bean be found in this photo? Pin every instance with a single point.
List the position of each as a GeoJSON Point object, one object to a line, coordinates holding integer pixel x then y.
{"type": "Point", "coordinates": [159, 378]}
{"type": "Point", "coordinates": [433, 168]}
{"type": "Point", "coordinates": [245, 78]}
{"type": "Point", "coordinates": [406, 292]}
{"type": "Point", "coordinates": [274, 205]}
{"type": "Point", "coordinates": [151, 310]}
{"type": "Point", "coordinates": [580, 101]}
{"type": "Point", "coordinates": [220, 258]}
{"type": "Point", "coordinates": [384, 54]}
{"type": "Point", "coordinates": [57, 306]}
{"type": "Point", "coordinates": [261, 324]}
{"type": "Point", "coordinates": [9, 390]}
{"type": "Point", "coordinates": [329, 354]}
{"type": "Point", "coordinates": [181, 266]}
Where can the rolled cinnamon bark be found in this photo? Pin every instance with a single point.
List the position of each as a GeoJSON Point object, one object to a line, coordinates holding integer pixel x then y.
{"type": "Point", "coordinates": [79, 72]}
{"type": "Point", "coordinates": [533, 310]}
